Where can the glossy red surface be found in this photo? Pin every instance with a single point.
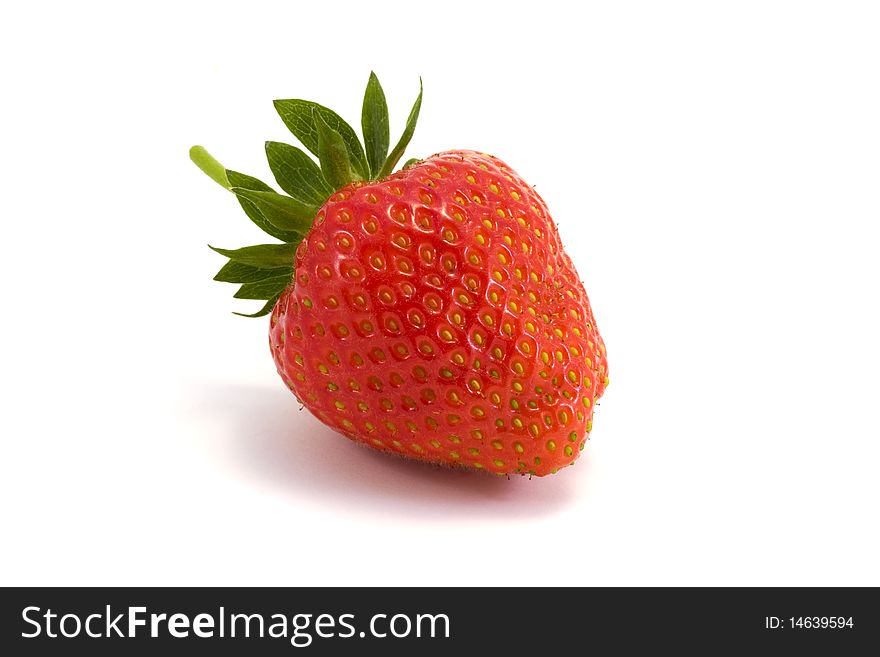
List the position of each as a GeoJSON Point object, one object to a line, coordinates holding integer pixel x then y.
{"type": "Point", "coordinates": [435, 314]}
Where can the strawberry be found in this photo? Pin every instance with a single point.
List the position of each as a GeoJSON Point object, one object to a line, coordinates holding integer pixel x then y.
{"type": "Point", "coordinates": [431, 312]}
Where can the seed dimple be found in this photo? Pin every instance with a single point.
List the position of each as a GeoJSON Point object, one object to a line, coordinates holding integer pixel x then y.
{"type": "Point", "coordinates": [401, 240]}
{"type": "Point", "coordinates": [424, 218]}
{"type": "Point", "coordinates": [370, 225]}
{"type": "Point", "coordinates": [416, 318]}
{"type": "Point", "coordinates": [433, 303]}
{"type": "Point", "coordinates": [445, 334]}
{"type": "Point", "coordinates": [449, 235]}
{"type": "Point", "coordinates": [406, 289]}
{"type": "Point", "coordinates": [427, 253]}
{"type": "Point", "coordinates": [344, 241]}
{"type": "Point", "coordinates": [399, 213]}
{"type": "Point", "coordinates": [386, 295]}
{"type": "Point", "coordinates": [391, 324]}
{"type": "Point", "coordinates": [403, 265]}
{"type": "Point", "coordinates": [353, 272]}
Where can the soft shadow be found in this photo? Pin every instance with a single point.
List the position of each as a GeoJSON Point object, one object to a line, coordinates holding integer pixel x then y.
{"type": "Point", "coordinates": [275, 442]}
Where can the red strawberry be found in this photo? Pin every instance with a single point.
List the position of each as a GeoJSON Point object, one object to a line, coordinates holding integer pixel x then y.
{"type": "Point", "coordinates": [432, 312]}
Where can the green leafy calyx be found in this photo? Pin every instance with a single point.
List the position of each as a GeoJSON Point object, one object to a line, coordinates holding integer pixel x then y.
{"type": "Point", "coordinates": [265, 270]}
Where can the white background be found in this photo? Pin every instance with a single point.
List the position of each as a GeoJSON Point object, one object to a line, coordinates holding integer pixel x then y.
{"type": "Point", "coordinates": [713, 168]}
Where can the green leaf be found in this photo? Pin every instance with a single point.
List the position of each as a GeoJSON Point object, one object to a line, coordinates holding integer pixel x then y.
{"type": "Point", "coordinates": [265, 310]}
{"type": "Point", "coordinates": [211, 167]}
{"type": "Point", "coordinates": [297, 174]}
{"type": "Point", "coordinates": [238, 272]}
{"type": "Point", "coordinates": [264, 256]}
{"type": "Point", "coordinates": [237, 179]}
{"type": "Point", "coordinates": [412, 160]}
{"type": "Point", "coordinates": [374, 123]}
{"type": "Point", "coordinates": [397, 152]}
{"type": "Point", "coordinates": [299, 117]}
{"type": "Point", "coordinates": [283, 212]}
{"type": "Point", "coordinates": [265, 289]}
{"type": "Point", "coordinates": [335, 162]}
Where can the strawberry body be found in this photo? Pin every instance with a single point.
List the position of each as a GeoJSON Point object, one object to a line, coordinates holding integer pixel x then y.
{"type": "Point", "coordinates": [435, 314]}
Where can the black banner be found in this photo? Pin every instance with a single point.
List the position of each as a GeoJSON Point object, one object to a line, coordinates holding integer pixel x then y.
{"type": "Point", "coordinates": [431, 621]}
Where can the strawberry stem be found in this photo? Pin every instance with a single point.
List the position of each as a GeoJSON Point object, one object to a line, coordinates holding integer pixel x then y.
{"type": "Point", "coordinates": [206, 162]}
